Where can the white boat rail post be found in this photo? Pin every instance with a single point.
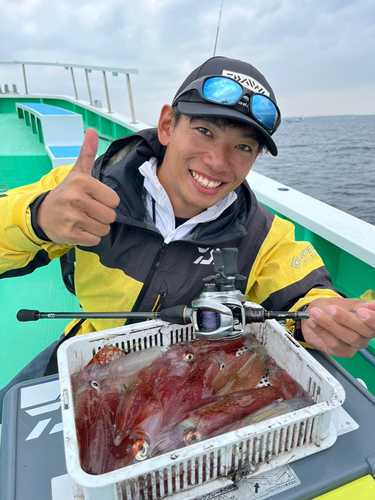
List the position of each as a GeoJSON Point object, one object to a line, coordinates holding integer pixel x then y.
{"type": "Point", "coordinates": [130, 98]}
{"type": "Point", "coordinates": [74, 81]}
{"type": "Point", "coordinates": [24, 78]}
{"type": "Point", "coordinates": [87, 71]}
{"type": "Point", "coordinates": [106, 92]}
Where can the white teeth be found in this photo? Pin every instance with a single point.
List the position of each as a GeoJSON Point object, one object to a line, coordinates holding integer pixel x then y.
{"type": "Point", "coordinates": [203, 181]}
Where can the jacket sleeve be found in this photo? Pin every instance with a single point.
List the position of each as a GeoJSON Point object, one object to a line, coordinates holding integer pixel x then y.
{"type": "Point", "coordinates": [21, 251]}
{"type": "Point", "coordinates": [287, 274]}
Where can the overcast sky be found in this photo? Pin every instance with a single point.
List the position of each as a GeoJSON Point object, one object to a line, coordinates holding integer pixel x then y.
{"type": "Point", "coordinates": [317, 55]}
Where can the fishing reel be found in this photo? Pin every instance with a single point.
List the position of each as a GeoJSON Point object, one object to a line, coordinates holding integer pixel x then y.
{"type": "Point", "coordinates": [219, 312]}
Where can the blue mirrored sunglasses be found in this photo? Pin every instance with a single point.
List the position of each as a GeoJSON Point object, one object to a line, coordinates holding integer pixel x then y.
{"type": "Point", "coordinates": [227, 92]}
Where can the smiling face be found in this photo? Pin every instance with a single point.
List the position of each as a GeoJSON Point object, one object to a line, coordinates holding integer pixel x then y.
{"type": "Point", "coordinates": [204, 161]}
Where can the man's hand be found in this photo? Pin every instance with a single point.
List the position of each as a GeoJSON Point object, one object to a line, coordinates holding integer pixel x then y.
{"type": "Point", "coordinates": [80, 209]}
{"type": "Point", "coordinates": [339, 327]}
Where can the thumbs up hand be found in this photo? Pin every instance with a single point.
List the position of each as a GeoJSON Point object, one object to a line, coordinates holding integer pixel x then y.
{"type": "Point", "coordinates": [80, 209]}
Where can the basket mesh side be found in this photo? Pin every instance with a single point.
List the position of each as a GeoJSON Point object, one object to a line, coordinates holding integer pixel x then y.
{"type": "Point", "coordinates": [184, 334]}
{"type": "Point", "coordinates": [237, 460]}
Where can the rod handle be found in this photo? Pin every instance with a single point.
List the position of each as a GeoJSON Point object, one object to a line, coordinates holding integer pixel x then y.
{"type": "Point", "coordinates": [28, 315]}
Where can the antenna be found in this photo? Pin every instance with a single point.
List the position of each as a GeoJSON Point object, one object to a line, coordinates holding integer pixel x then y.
{"type": "Point", "coordinates": [218, 25]}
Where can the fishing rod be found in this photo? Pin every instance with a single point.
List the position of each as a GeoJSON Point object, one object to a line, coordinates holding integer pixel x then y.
{"type": "Point", "coordinates": [210, 323]}
{"type": "Point", "coordinates": [171, 315]}
{"type": "Point", "coordinates": [219, 313]}
{"type": "Point", "coordinates": [218, 26]}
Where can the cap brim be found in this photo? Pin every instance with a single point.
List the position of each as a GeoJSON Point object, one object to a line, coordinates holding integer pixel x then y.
{"type": "Point", "coordinates": [204, 109]}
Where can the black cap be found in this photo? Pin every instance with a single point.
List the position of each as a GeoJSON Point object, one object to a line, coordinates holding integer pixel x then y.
{"type": "Point", "coordinates": [191, 104]}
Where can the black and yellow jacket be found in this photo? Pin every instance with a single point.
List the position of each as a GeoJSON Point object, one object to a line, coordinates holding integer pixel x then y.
{"type": "Point", "coordinates": [133, 269]}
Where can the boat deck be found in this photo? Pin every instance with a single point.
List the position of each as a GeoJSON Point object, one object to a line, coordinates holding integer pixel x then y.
{"type": "Point", "coordinates": [42, 290]}
{"type": "Point", "coordinates": [22, 156]}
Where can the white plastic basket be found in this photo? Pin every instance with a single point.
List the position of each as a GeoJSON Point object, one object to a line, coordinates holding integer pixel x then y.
{"type": "Point", "coordinates": [256, 448]}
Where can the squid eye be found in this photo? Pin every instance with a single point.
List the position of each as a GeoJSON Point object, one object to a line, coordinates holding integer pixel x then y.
{"type": "Point", "coordinates": [221, 364]}
{"type": "Point", "coordinates": [189, 356]}
{"type": "Point", "coordinates": [192, 437]}
{"type": "Point", "coordinates": [95, 385]}
{"type": "Point", "coordinates": [140, 448]}
{"type": "Point", "coordinates": [240, 351]}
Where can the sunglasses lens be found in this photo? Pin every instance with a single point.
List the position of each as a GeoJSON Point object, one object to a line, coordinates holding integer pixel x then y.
{"type": "Point", "coordinates": [222, 90]}
{"type": "Point", "coordinates": [264, 110]}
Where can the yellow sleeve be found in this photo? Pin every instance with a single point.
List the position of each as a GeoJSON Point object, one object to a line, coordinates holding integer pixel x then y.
{"type": "Point", "coordinates": [287, 274]}
{"type": "Point", "coordinates": [18, 243]}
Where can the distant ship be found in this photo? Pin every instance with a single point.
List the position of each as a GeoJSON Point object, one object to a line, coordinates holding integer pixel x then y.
{"type": "Point", "coordinates": [297, 119]}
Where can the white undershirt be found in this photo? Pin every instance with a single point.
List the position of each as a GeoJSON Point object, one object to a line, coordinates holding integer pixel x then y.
{"type": "Point", "coordinates": [164, 215]}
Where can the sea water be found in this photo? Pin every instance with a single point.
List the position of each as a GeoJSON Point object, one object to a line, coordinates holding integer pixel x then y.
{"type": "Point", "coordinates": [330, 158]}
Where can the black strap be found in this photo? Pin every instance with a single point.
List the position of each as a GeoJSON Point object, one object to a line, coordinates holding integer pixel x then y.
{"type": "Point", "coordinates": [33, 210]}
{"type": "Point", "coordinates": [153, 211]}
{"type": "Point", "coordinates": [52, 363]}
{"type": "Point", "coordinates": [67, 264]}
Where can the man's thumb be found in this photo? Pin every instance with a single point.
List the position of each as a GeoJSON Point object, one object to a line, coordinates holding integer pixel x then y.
{"type": "Point", "coordinates": [87, 155]}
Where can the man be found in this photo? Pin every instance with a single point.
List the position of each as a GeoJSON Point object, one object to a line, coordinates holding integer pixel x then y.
{"type": "Point", "coordinates": [145, 217]}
